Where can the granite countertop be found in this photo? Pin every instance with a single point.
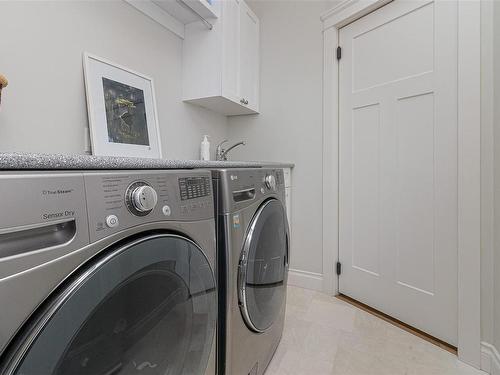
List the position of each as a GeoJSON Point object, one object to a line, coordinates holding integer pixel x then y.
{"type": "Point", "coordinates": [29, 161]}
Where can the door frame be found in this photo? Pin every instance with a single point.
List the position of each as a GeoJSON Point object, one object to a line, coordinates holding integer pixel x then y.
{"type": "Point", "coordinates": [469, 214]}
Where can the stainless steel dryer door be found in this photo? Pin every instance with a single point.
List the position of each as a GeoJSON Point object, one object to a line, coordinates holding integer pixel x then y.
{"type": "Point", "coordinates": [148, 307]}
{"type": "Point", "coordinates": [263, 267]}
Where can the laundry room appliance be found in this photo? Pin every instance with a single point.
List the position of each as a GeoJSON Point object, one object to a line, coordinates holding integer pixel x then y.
{"type": "Point", "coordinates": [253, 256]}
{"type": "Point", "coordinates": [107, 272]}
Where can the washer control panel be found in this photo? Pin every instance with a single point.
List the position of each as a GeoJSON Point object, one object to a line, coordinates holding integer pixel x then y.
{"type": "Point", "coordinates": [123, 199]}
{"type": "Point", "coordinates": [244, 186]}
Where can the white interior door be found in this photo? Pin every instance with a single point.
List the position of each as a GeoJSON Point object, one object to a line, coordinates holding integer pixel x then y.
{"type": "Point", "coordinates": [398, 163]}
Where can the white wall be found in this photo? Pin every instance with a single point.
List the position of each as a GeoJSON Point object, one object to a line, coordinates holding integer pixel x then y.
{"type": "Point", "coordinates": [496, 70]}
{"type": "Point", "coordinates": [41, 45]}
{"type": "Point", "coordinates": [487, 171]}
{"type": "Point", "coordinates": [289, 127]}
{"type": "Point", "coordinates": [490, 183]}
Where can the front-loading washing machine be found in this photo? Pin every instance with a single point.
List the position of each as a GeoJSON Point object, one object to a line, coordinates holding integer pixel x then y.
{"type": "Point", "coordinates": [107, 272]}
{"type": "Point", "coordinates": [253, 256]}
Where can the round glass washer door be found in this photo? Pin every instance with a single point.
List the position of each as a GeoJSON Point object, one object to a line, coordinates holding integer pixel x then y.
{"type": "Point", "coordinates": [148, 307]}
{"type": "Point", "coordinates": [263, 267]}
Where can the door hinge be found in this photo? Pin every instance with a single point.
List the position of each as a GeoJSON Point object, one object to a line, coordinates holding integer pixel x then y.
{"type": "Point", "coordinates": [339, 52]}
{"type": "Point", "coordinates": [339, 268]}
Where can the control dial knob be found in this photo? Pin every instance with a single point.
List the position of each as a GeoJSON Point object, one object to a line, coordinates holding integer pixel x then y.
{"type": "Point", "coordinates": [141, 198]}
{"type": "Point", "coordinates": [270, 182]}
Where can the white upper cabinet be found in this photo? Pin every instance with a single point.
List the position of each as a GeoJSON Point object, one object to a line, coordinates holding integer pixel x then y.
{"type": "Point", "coordinates": [221, 66]}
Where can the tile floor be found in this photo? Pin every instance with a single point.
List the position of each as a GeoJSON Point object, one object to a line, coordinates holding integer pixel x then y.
{"type": "Point", "coordinates": [326, 336]}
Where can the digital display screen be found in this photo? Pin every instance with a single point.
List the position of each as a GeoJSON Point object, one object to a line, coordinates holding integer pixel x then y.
{"type": "Point", "coordinates": [194, 187]}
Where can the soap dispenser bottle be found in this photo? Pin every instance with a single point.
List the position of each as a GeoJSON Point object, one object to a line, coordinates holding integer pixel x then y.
{"type": "Point", "coordinates": [205, 148]}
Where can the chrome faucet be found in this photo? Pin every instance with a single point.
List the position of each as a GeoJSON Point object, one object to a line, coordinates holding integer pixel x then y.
{"type": "Point", "coordinates": [221, 154]}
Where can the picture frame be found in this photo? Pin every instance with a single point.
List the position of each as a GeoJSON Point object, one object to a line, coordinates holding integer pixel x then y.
{"type": "Point", "coordinates": [121, 107]}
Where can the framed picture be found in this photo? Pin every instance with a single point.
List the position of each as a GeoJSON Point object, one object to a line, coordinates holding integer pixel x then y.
{"type": "Point", "coordinates": [121, 107]}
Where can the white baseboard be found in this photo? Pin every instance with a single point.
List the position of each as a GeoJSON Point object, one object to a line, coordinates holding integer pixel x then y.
{"type": "Point", "coordinates": [305, 279]}
{"type": "Point", "coordinates": [490, 359]}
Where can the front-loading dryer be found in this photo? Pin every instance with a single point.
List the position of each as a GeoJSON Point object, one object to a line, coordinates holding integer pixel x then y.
{"type": "Point", "coordinates": [253, 257]}
{"type": "Point", "coordinates": [107, 272]}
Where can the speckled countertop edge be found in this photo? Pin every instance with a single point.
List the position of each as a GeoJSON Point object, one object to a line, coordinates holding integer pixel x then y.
{"type": "Point", "coordinates": [35, 161]}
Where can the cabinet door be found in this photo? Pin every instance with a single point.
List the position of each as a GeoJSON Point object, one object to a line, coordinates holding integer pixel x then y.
{"type": "Point", "coordinates": [249, 57]}
{"type": "Point", "coordinates": [231, 50]}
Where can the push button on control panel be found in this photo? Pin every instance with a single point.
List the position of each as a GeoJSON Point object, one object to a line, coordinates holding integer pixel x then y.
{"type": "Point", "coordinates": [112, 221]}
{"type": "Point", "coordinates": [166, 210]}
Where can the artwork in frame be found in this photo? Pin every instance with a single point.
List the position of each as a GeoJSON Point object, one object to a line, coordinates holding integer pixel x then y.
{"type": "Point", "coordinates": [121, 107]}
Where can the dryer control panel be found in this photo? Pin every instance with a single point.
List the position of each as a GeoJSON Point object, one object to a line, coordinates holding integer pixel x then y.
{"type": "Point", "coordinates": [122, 199]}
